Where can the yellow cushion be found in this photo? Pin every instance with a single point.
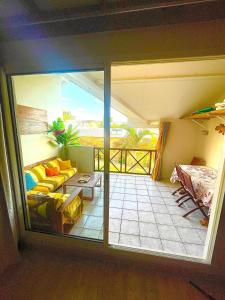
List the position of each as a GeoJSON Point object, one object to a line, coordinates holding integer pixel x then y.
{"type": "Point", "coordinates": [72, 211]}
{"type": "Point", "coordinates": [50, 186]}
{"type": "Point", "coordinates": [65, 164]}
{"type": "Point", "coordinates": [41, 188]}
{"type": "Point", "coordinates": [68, 172]}
{"type": "Point", "coordinates": [54, 164]}
{"type": "Point", "coordinates": [56, 180]}
{"type": "Point", "coordinates": [39, 171]}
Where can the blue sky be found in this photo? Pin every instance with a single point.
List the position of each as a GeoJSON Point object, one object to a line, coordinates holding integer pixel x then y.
{"type": "Point", "coordinates": [84, 105]}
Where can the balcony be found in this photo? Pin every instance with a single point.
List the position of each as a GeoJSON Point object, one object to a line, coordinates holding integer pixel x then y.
{"type": "Point", "coordinates": [128, 161]}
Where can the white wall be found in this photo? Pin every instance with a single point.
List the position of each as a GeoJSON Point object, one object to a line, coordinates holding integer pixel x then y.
{"type": "Point", "coordinates": [186, 140]}
{"type": "Point", "coordinates": [82, 157]}
{"type": "Point", "coordinates": [38, 91]}
{"type": "Point", "coordinates": [180, 145]}
{"type": "Point", "coordinates": [210, 147]}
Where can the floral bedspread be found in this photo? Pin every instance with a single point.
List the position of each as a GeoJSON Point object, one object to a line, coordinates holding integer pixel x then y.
{"type": "Point", "coordinates": [203, 180]}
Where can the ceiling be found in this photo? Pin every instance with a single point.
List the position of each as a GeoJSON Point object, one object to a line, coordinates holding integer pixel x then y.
{"type": "Point", "coordinates": [166, 90]}
{"type": "Point", "coordinates": [61, 17]}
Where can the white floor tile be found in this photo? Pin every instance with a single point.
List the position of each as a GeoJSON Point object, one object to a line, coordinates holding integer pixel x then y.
{"type": "Point", "coordinates": [129, 240]}
{"type": "Point", "coordinates": [114, 225]}
{"type": "Point", "coordinates": [194, 250]}
{"type": "Point", "coordinates": [144, 206]}
{"type": "Point", "coordinates": [130, 205]}
{"type": "Point", "coordinates": [174, 247]}
{"type": "Point", "coordinates": [148, 230]}
{"type": "Point", "coordinates": [163, 219]}
{"type": "Point", "coordinates": [115, 213]}
{"type": "Point", "coordinates": [94, 223]}
{"type": "Point", "coordinates": [113, 237]}
{"type": "Point", "coordinates": [189, 235]}
{"type": "Point", "coordinates": [116, 204]}
{"type": "Point", "coordinates": [130, 197]}
{"type": "Point", "coordinates": [151, 243]}
{"type": "Point", "coordinates": [159, 208]}
{"type": "Point", "coordinates": [130, 227]}
{"type": "Point", "coordinates": [130, 215]}
{"type": "Point", "coordinates": [168, 233]}
{"type": "Point", "coordinates": [146, 216]}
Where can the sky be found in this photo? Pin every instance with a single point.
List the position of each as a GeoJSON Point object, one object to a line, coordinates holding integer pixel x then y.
{"type": "Point", "coordinates": [85, 106]}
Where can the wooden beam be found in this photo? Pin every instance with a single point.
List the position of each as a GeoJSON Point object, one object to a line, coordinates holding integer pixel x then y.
{"type": "Point", "coordinates": [90, 20]}
{"type": "Point", "coordinates": [31, 6]}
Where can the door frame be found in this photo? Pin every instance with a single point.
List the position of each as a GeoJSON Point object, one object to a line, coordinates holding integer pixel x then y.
{"type": "Point", "coordinates": [25, 233]}
{"type": "Point", "coordinates": [105, 248]}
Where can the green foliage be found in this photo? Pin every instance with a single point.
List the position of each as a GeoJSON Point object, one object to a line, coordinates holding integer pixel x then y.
{"type": "Point", "coordinates": [134, 137]}
{"type": "Point", "coordinates": [56, 125]}
{"type": "Point", "coordinates": [63, 136]}
{"type": "Point", "coordinates": [67, 116]}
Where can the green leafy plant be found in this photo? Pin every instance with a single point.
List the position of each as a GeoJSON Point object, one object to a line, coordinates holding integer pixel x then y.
{"type": "Point", "coordinates": [133, 137]}
{"type": "Point", "coordinates": [62, 135]}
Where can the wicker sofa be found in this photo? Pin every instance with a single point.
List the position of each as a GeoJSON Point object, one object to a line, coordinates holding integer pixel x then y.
{"type": "Point", "coordinates": [50, 209]}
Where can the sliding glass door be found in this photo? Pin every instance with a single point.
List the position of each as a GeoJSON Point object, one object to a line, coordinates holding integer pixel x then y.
{"type": "Point", "coordinates": [60, 123]}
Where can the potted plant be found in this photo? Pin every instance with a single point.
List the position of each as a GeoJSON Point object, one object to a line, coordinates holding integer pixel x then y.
{"type": "Point", "coordinates": [63, 136]}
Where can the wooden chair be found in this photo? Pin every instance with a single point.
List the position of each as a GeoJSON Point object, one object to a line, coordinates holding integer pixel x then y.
{"type": "Point", "coordinates": [181, 180]}
{"type": "Point", "coordinates": [55, 219]}
{"type": "Point", "coordinates": [197, 161]}
{"type": "Point", "coordinates": [188, 186]}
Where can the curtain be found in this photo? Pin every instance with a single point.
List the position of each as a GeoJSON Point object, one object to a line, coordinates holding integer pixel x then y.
{"type": "Point", "coordinates": [164, 127]}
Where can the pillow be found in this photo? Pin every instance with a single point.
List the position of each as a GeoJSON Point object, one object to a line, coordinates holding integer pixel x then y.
{"type": "Point", "coordinates": [30, 183]}
{"type": "Point", "coordinates": [32, 175]}
{"type": "Point", "coordinates": [65, 164]}
{"type": "Point", "coordinates": [50, 171]}
{"type": "Point", "coordinates": [39, 171]}
{"type": "Point", "coordinates": [53, 164]}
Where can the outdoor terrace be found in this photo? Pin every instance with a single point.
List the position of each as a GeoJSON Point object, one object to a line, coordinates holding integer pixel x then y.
{"type": "Point", "coordinates": [143, 214]}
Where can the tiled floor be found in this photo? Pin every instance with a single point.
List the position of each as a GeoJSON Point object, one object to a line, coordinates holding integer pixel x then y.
{"type": "Point", "coordinates": [143, 213]}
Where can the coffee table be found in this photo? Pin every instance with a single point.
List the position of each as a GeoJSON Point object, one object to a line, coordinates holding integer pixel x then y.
{"type": "Point", "coordinates": [95, 181]}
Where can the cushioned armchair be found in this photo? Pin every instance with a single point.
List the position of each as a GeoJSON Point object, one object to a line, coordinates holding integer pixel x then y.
{"type": "Point", "coordinates": [52, 211]}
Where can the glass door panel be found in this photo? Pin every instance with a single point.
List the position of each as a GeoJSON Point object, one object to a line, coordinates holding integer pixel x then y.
{"type": "Point", "coordinates": [60, 121]}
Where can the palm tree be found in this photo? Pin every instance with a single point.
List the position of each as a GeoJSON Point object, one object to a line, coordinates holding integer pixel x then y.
{"type": "Point", "coordinates": [134, 137]}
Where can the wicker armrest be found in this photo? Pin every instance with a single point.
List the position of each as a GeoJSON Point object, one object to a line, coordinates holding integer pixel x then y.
{"type": "Point", "coordinates": [70, 199]}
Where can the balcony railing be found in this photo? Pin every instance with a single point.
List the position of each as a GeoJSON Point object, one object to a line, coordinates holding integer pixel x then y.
{"type": "Point", "coordinates": [129, 161]}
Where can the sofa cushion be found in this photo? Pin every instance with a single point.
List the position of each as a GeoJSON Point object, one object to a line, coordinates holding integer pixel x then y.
{"type": "Point", "coordinates": [68, 172]}
{"type": "Point", "coordinates": [39, 171]}
{"type": "Point", "coordinates": [52, 171]}
{"type": "Point", "coordinates": [35, 178]}
{"type": "Point", "coordinates": [65, 164]}
{"type": "Point", "coordinates": [44, 186]}
{"type": "Point", "coordinates": [30, 183]}
{"type": "Point", "coordinates": [56, 180]}
{"type": "Point", "coordinates": [54, 164]}
{"type": "Point", "coordinates": [44, 189]}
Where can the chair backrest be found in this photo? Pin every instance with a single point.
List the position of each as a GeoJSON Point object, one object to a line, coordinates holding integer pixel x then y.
{"type": "Point", "coordinates": [179, 174]}
{"type": "Point", "coordinates": [188, 184]}
{"type": "Point", "coordinates": [197, 161]}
